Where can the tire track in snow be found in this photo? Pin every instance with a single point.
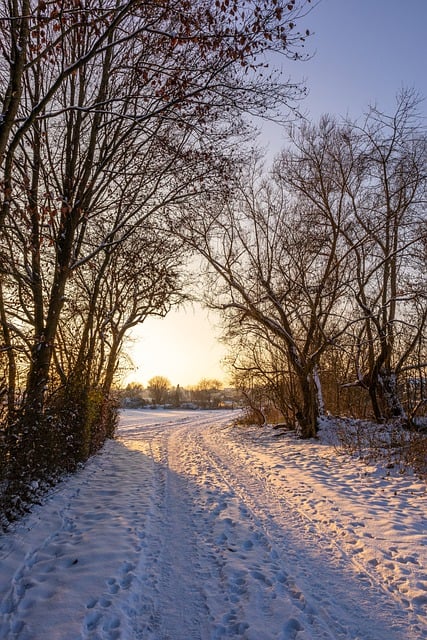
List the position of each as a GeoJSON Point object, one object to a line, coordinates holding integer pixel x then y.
{"type": "Point", "coordinates": [268, 576]}
{"type": "Point", "coordinates": [115, 612]}
{"type": "Point", "coordinates": [336, 532]}
{"type": "Point", "coordinates": [182, 586]}
{"type": "Point", "coordinates": [178, 536]}
{"type": "Point", "coordinates": [361, 587]}
{"type": "Point", "coordinates": [252, 582]}
{"type": "Point", "coordinates": [169, 591]}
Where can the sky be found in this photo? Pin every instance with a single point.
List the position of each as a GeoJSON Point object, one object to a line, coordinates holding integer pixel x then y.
{"type": "Point", "coordinates": [183, 347]}
{"type": "Point", "coordinates": [362, 52]}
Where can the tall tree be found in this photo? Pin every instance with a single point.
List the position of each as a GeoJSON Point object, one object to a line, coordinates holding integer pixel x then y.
{"type": "Point", "coordinates": [107, 91]}
{"type": "Point", "coordinates": [159, 386]}
{"type": "Point", "coordinates": [113, 113]}
{"type": "Point", "coordinates": [389, 217]}
{"type": "Point", "coordinates": [372, 177]}
{"type": "Point", "coordinates": [325, 255]}
{"type": "Point", "coordinates": [276, 276]}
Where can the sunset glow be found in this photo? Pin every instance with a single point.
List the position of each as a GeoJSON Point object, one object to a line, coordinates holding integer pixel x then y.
{"type": "Point", "coordinates": [183, 347]}
{"type": "Point", "coordinates": [362, 53]}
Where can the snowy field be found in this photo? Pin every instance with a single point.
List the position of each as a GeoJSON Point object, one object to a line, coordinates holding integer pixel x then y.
{"type": "Point", "coordinates": [186, 529]}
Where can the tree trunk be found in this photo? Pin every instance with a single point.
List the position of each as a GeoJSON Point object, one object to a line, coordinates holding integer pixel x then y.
{"type": "Point", "coordinates": [384, 396]}
{"type": "Point", "coordinates": [387, 387]}
{"type": "Point", "coordinates": [11, 361]}
{"type": "Point", "coordinates": [372, 390]}
{"type": "Point", "coordinates": [310, 408]}
{"type": "Point", "coordinates": [111, 365]}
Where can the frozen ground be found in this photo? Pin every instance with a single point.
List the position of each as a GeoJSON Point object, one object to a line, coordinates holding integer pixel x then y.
{"type": "Point", "coordinates": [185, 529]}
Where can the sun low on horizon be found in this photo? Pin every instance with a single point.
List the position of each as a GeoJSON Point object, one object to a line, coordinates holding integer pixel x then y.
{"type": "Point", "coordinates": [344, 74]}
{"type": "Point", "coordinates": [183, 347]}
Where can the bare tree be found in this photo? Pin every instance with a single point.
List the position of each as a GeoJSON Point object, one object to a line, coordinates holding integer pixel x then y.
{"type": "Point", "coordinates": [261, 373]}
{"type": "Point", "coordinates": [371, 178]}
{"type": "Point", "coordinates": [205, 392]}
{"type": "Point", "coordinates": [389, 217]}
{"type": "Point", "coordinates": [159, 386]}
{"type": "Point", "coordinates": [113, 113]}
{"type": "Point", "coordinates": [149, 87]}
{"type": "Point", "coordinates": [274, 273]}
{"type": "Point", "coordinates": [327, 255]}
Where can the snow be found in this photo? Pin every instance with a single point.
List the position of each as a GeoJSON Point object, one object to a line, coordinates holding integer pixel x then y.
{"type": "Point", "coordinates": [188, 528]}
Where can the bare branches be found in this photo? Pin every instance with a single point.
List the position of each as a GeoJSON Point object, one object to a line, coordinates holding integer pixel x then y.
{"type": "Point", "coordinates": [323, 259]}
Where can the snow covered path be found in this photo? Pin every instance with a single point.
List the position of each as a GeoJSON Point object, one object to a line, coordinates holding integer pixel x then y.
{"type": "Point", "coordinates": [185, 529]}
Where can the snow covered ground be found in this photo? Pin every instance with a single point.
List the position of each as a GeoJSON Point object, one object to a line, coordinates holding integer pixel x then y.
{"type": "Point", "coordinates": [187, 529]}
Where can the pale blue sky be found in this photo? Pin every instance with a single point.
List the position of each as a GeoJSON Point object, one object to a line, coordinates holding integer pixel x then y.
{"type": "Point", "coordinates": [364, 52]}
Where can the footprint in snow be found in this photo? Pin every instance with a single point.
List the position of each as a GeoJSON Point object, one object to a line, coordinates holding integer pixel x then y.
{"type": "Point", "coordinates": [126, 567]}
{"type": "Point", "coordinates": [258, 575]}
{"type": "Point", "coordinates": [291, 629]}
{"type": "Point", "coordinates": [113, 587]}
{"type": "Point", "coordinates": [92, 620]}
{"type": "Point", "coordinates": [17, 626]}
{"type": "Point", "coordinates": [126, 581]}
{"type": "Point", "coordinates": [92, 603]}
{"type": "Point", "coordinates": [111, 624]}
